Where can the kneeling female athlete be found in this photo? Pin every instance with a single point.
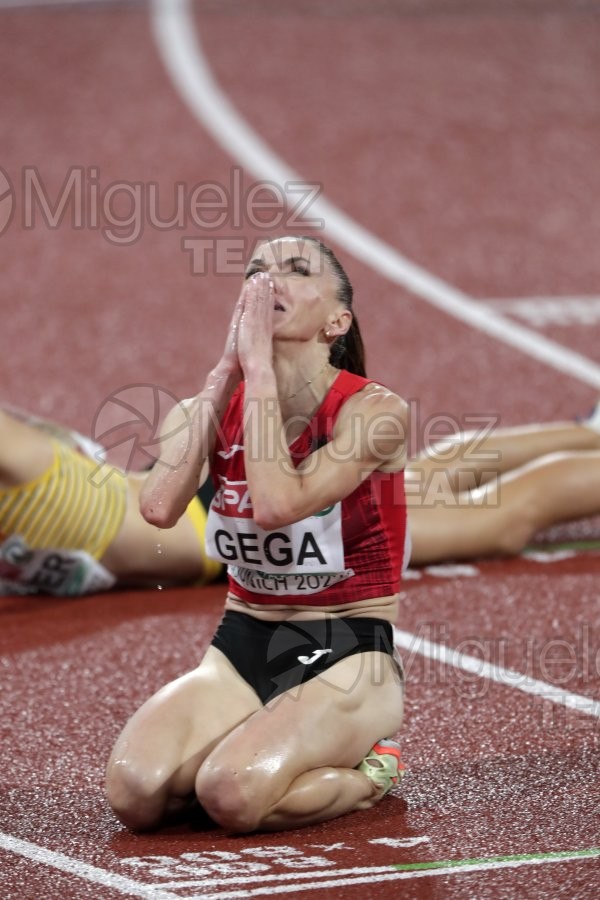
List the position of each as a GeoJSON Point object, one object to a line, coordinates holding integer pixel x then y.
{"type": "Point", "coordinates": [286, 720]}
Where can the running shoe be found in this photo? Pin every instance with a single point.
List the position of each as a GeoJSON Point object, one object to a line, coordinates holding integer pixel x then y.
{"type": "Point", "coordinates": [383, 764]}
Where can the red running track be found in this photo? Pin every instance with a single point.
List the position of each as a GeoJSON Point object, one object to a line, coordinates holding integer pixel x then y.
{"type": "Point", "coordinates": [465, 135]}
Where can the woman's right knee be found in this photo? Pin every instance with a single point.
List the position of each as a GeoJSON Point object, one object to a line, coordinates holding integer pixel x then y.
{"type": "Point", "coordinates": [137, 795]}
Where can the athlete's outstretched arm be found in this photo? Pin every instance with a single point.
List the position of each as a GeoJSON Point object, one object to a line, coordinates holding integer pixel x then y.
{"type": "Point", "coordinates": [189, 434]}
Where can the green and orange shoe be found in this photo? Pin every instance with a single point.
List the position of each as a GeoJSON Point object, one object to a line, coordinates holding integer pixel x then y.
{"type": "Point", "coordinates": [383, 764]}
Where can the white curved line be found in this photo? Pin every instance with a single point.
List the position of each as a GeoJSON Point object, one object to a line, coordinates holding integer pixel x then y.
{"type": "Point", "coordinates": [181, 53]}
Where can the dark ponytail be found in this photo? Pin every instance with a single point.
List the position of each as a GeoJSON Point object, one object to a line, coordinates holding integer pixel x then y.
{"type": "Point", "coordinates": [347, 352]}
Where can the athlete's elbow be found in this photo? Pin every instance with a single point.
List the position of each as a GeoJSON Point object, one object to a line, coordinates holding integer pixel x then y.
{"type": "Point", "coordinates": [158, 512]}
{"type": "Point", "coordinates": [158, 517]}
{"type": "Point", "coordinates": [270, 516]}
{"type": "Point", "coordinates": [267, 521]}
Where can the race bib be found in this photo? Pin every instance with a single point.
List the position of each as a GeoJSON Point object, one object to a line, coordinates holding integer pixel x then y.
{"type": "Point", "coordinates": [312, 546]}
{"type": "Point", "coordinates": [286, 585]}
{"type": "Point", "coordinates": [61, 573]}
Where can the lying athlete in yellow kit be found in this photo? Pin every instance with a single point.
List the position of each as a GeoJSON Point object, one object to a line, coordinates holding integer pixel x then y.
{"type": "Point", "coordinates": [66, 533]}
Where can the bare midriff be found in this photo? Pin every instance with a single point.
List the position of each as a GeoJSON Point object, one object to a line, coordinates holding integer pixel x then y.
{"type": "Point", "coordinates": [375, 607]}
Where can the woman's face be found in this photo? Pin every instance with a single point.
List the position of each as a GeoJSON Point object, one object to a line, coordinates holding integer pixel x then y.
{"type": "Point", "coordinates": [305, 288]}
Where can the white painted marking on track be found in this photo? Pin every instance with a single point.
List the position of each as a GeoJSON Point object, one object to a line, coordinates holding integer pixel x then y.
{"type": "Point", "coordinates": [239, 884]}
{"type": "Point", "coordinates": [378, 877]}
{"type": "Point", "coordinates": [261, 885]}
{"type": "Point", "coordinates": [396, 843]}
{"type": "Point", "coordinates": [79, 869]}
{"type": "Point", "coordinates": [508, 677]}
{"type": "Point", "coordinates": [179, 46]}
{"type": "Point", "coordinates": [543, 311]}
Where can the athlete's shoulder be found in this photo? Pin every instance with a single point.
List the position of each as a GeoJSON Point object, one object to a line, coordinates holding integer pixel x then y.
{"type": "Point", "coordinates": [378, 419]}
{"type": "Point", "coordinates": [374, 398]}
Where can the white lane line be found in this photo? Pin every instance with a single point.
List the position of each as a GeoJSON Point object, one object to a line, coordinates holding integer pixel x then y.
{"type": "Point", "coordinates": [179, 47]}
{"type": "Point", "coordinates": [540, 312]}
{"type": "Point", "coordinates": [79, 869]}
{"type": "Point", "coordinates": [340, 878]}
{"type": "Point", "coordinates": [357, 874]}
{"type": "Point", "coordinates": [440, 653]}
{"type": "Point", "coordinates": [334, 883]}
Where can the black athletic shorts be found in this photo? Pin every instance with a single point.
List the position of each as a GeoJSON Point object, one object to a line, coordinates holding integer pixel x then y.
{"type": "Point", "coordinates": [276, 656]}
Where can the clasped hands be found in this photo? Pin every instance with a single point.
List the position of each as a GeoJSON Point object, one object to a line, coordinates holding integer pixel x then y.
{"type": "Point", "coordinates": [249, 342]}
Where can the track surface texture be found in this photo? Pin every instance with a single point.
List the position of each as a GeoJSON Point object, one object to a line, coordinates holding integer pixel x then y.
{"type": "Point", "coordinates": [464, 136]}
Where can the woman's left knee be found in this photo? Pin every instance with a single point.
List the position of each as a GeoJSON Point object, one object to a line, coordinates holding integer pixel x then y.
{"type": "Point", "coordinates": [230, 796]}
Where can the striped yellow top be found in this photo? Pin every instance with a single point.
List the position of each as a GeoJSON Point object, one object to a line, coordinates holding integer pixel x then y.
{"type": "Point", "coordinates": [64, 508]}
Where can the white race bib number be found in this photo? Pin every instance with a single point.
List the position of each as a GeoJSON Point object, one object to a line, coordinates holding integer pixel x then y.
{"type": "Point", "coordinates": [312, 546]}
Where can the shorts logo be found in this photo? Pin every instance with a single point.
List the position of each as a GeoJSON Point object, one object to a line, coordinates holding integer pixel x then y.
{"type": "Point", "coordinates": [308, 660]}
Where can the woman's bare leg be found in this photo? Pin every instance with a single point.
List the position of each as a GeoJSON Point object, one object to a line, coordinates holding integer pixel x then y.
{"type": "Point", "coordinates": [157, 756]}
{"type": "Point", "coordinates": [466, 461]}
{"type": "Point", "coordinates": [320, 795]}
{"type": "Point", "coordinates": [292, 763]}
{"type": "Point", "coordinates": [501, 517]}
